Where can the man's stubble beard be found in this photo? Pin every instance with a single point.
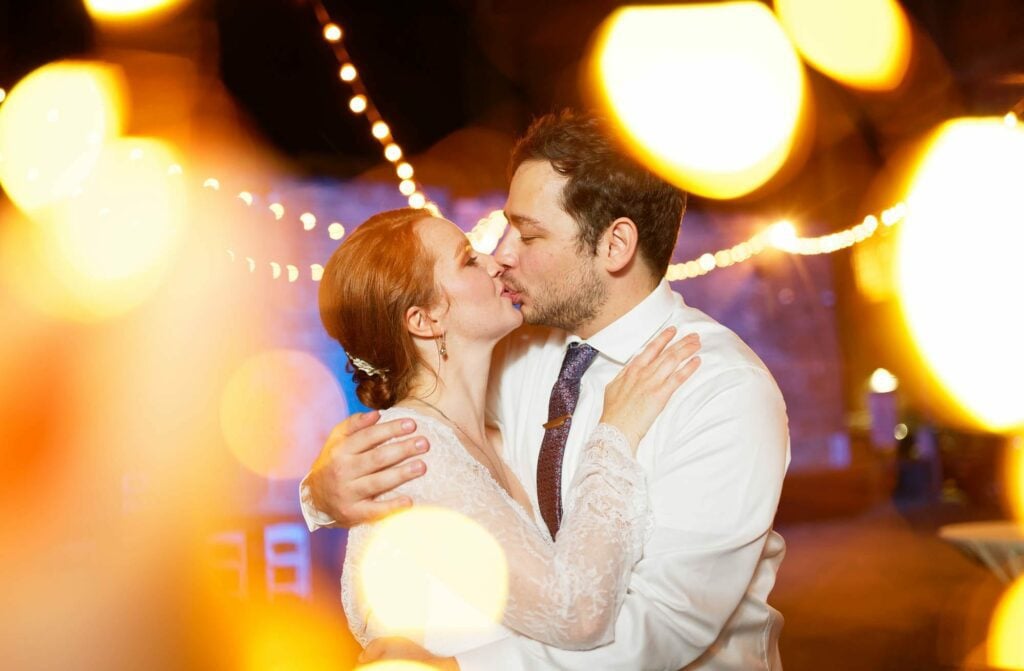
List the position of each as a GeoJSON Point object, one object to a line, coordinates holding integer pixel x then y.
{"type": "Point", "coordinates": [574, 302]}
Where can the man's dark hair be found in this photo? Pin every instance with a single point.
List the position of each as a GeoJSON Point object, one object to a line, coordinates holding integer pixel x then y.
{"type": "Point", "coordinates": [604, 183]}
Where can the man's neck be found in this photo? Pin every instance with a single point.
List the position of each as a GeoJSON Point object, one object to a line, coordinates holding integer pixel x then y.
{"type": "Point", "coordinates": [624, 294]}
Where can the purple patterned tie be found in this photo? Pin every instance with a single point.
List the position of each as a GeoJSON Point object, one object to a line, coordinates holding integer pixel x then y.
{"type": "Point", "coordinates": [564, 395]}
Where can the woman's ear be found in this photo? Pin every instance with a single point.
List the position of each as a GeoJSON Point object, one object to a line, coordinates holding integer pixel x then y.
{"type": "Point", "coordinates": [419, 323]}
{"type": "Point", "coordinates": [619, 244]}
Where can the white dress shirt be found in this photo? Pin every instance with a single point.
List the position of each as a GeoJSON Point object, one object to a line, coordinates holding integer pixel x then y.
{"type": "Point", "coordinates": [715, 459]}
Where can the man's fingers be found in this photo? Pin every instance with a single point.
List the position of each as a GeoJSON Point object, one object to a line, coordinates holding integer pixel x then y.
{"type": "Point", "coordinates": [385, 456]}
{"type": "Point", "coordinates": [371, 436]}
{"type": "Point", "coordinates": [374, 510]}
{"type": "Point", "coordinates": [374, 485]}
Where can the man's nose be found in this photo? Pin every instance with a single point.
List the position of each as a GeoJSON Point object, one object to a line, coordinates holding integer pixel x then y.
{"type": "Point", "coordinates": [504, 254]}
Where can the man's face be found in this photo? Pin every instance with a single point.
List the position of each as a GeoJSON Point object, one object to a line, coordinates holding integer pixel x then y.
{"type": "Point", "coordinates": [545, 271]}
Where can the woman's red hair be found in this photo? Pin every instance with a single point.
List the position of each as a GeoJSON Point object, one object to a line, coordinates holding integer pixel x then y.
{"type": "Point", "coordinates": [371, 280]}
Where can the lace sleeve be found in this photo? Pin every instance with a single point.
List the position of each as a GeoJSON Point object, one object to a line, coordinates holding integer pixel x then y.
{"type": "Point", "coordinates": [565, 593]}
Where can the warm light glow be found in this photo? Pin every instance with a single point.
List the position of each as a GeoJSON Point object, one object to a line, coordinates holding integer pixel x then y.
{"type": "Point", "coordinates": [1010, 119]}
{"type": "Point", "coordinates": [883, 382]}
{"type": "Point", "coordinates": [316, 272]}
{"type": "Point", "coordinates": [272, 409]}
{"type": "Point", "coordinates": [275, 269]}
{"type": "Point", "coordinates": [863, 43]}
{"type": "Point", "coordinates": [277, 209]}
{"type": "Point", "coordinates": [1005, 647]}
{"type": "Point", "coordinates": [347, 72]}
{"type": "Point", "coordinates": [392, 152]}
{"type": "Point", "coordinates": [336, 231]}
{"type": "Point", "coordinates": [396, 665]}
{"type": "Point", "coordinates": [293, 272]}
{"type": "Point", "coordinates": [407, 187]}
{"type": "Point", "coordinates": [417, 200]}
{"type": "Point", "coordinates": [3, 95]}
{"type": "Point", "coordinates": [433, 568]}
{"type": "Point", "coordinates": [127, 9]}
{"type": "Point", "coordinates": [332, 32]}
{"type": "Point", "coordinates": [782, 235]}
{"type": "Point", "coordinates": [960, 245]}
{"type": "Point", "coordinates": [308, 220]}
{"type": "Point", "coordinates": [246, 197]}
{"type": "Point", "coordinates": [212, 183]}
{"type": "Point", "coordinates": [680, 81]}
{"type": "Point", "coordinates": [106, 251]}
{"type": "Point", "coordinates": [380, 130]}
{"type": "Point", "coordinates": [404, 171]}
{"type": "Point", "coordinates": [358, 103]}
{"type": "Point", "coordinates": [53, 127]}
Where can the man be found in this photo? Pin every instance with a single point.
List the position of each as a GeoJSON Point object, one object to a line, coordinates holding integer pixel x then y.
{"type": "Point", "coordinates": [591, 235]}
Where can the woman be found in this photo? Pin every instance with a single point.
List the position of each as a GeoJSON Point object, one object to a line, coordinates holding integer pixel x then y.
{"type": "Point", "coordinates": [419, 313]}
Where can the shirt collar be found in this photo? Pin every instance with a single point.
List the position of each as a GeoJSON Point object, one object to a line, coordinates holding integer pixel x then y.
{"type": "Point", "coordinates": [624, 337]}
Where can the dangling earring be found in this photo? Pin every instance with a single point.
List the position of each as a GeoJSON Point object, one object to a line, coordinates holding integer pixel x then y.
{"type": "Point", "coordinates": [443, 348]}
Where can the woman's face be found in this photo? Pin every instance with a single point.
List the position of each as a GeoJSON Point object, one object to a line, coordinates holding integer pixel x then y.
{"type": "Point", "coordinates": [477, 310]}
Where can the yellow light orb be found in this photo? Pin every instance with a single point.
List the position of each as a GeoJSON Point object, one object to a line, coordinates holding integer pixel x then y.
{"type": "Point", "coordinates": [958, 249]}
{"type": "Point", "coordinates": [865, 44]}
{"type": "Point", "coordinates": [407, 187]}
{"type": "Point", "coordinates": [679, 80]}
{"type": "Point", "coordinates": [404, 171]}
{"type": "Point", "coordinates": [308, 220]}
{"type": "Point", "coordinates": [106, 251]}
{"type": "Point", "coordinates": [357, 104]}
{"type": "Point", "coordinates": [1015, 476]}
{"type": "Point", "coordinates": [277, 209]}
{"type": "Point", "coordinates": [3, 95]}
{"type": "Point", "coordinates": [271, 410]}
{"type": "Point", "coordinates": [433, 569]}
{"type": "Point", "coordinates": [122, 10]}
{"type": "Point", "coordinates": [392, 152]}
{"type": "Point", "coordinates": [275, 269]}
{"type": "Point", "coordinates": [316, 272]}
{"type": "Point", "coordinates": [417, 200]}
{"type": "Point", "coordinates": [332, 32]}
{"type": "Point", "coordinates": [1005, 647]}
{"type": "Point", "coordinates": [883, 382]}
{"type": "Point", "coordinates": [347, 72]}
{"type": "Point", "coordinates": [53, 127]}
{"type": "Point", "coordinates": [380, 130]}
{"type": "Point", "coordinates": [336, 231]}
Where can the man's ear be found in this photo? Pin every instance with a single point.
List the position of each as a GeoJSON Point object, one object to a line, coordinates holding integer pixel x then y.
{"type": "Point", "coordinates": [619, 244]}
{"type": "Point", "coordinates": [419, 323]}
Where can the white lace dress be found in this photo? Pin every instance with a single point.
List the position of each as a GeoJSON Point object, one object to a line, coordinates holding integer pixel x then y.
{"type": "Point", "coordinates": [565, 593]}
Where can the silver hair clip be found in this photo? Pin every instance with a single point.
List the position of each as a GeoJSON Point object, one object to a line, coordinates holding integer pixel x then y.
{"type": "Point", "coordinates": [366, 366]}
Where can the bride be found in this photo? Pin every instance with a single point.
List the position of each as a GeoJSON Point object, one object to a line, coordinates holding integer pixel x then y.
{"type": "Point", "coordinates": [419, 313]}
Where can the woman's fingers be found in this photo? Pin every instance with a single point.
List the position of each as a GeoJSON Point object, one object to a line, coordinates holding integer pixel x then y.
{"type": "Point", "coordinates": [653, 348]}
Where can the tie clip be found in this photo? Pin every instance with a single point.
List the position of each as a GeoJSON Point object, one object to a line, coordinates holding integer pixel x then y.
{"type": "Point", "coordinates": [557, 422]}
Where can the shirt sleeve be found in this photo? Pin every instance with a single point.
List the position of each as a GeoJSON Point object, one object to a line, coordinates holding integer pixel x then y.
{"type": "Point", "coordinates": [714, 495]}
{"type": "Point", "coordinates": [567, 592]}
{"type": "Point", "coordinates": [315, 519]}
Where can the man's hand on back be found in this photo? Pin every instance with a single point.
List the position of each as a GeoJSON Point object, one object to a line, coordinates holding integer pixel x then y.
{"type": "Point", "coordinates": [354, 467]}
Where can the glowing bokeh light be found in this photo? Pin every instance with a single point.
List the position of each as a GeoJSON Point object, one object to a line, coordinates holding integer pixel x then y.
{"type": "Point", "coordinates": [1015, 476]}
{"type": "Point", "coordinates": [433, 569]}
{"type": "Point", "coordinates": [1005, 647]}
{"type": "Point", "coordinates": [865, 44]}
{"type": "Point", "coordinates": [392, 152]}
{"type": "Point", "coordinates": [883, 382]}
{"type": "Point", "coordinates": [679, 81]}
{"type": "Point", "coordinates": [357, 103]}
{"type": "Point", "coordinates": [53, 127]}
{"type": "Point", "coordinates": [959, 249]}
{"type": "Point", "coordinates": [120, 10]}
{"type": "Point", "coordinates": [273, 409]}
{"type": "Point", "coordinates": [107, 250]}
{"type": "Point", "coordinates": [396, 665]}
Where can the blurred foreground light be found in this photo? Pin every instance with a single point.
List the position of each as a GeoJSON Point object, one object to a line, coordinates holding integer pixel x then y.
{"type": "Point", "coordinates": [336, 231]}
{"type": "Point", "coordinates": [273, 409]}
{"type": "Point", "coordinates": [960, 249]}
{"type": "Point", "coordinates": [883, 382]}
{"type": "Point", "coordinates": [52, 128]}
{"type": "Point", "coordinates": [433, 569]}
{"type": "Point", "coordinates": [396, 665]}
{"type": "Point", "coordinates": [106, 251]}
{"type": "Point", "coordinates": [1005, 647]}
{"type": "Point", "coordinates": [708, 95]}
{"type": "Point", "coordinates": [332, 32]}
{"type": "Point", "coordinates": [121, 10]}
{"type": "Point", "coordinates": [862, 43]}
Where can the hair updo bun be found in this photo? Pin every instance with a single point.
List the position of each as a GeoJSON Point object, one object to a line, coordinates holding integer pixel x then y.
{"type": "Point", "coordinates": [371, 280]}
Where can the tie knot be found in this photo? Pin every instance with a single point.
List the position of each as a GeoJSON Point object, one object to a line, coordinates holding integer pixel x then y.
{"type": "Point", "coordinates": [578, 358]}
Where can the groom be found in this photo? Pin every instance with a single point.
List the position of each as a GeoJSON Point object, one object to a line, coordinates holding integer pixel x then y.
{"type": "Point", "coordinates": [591, 235]}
